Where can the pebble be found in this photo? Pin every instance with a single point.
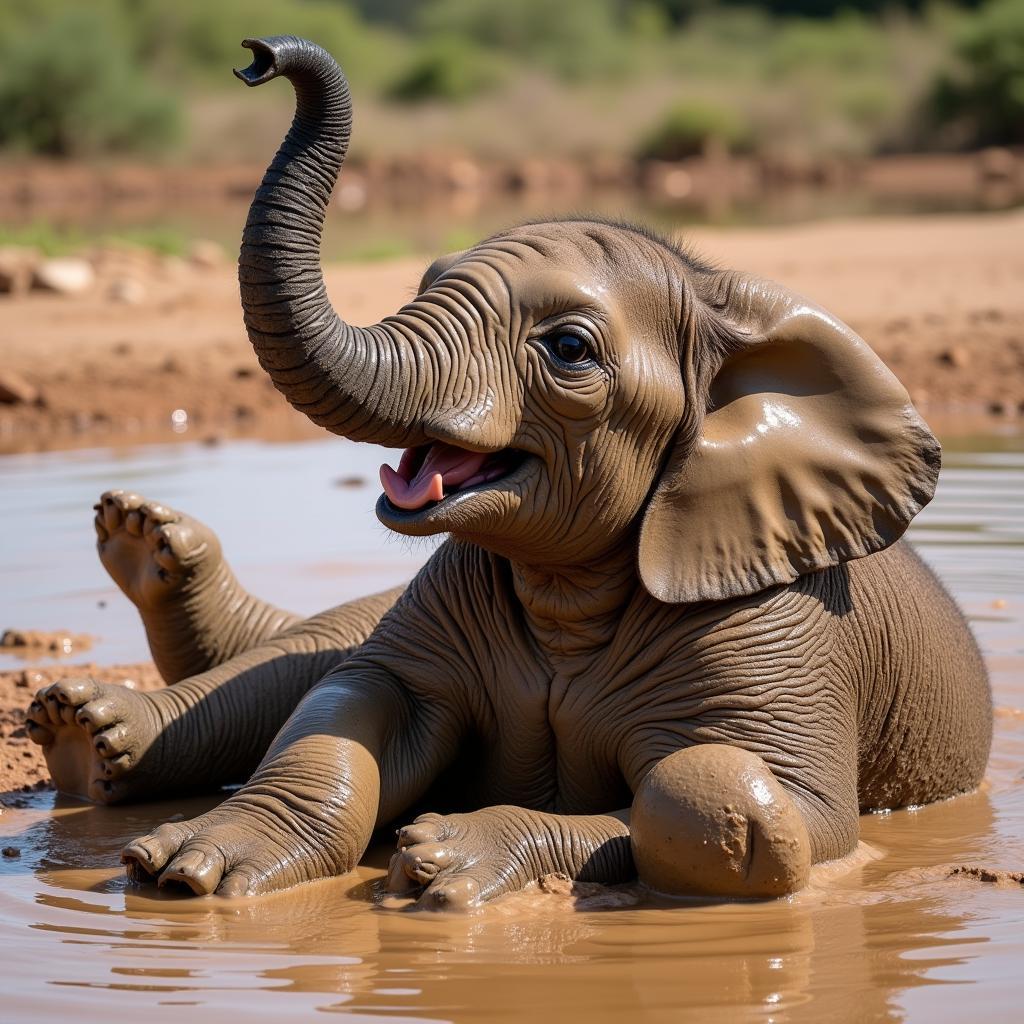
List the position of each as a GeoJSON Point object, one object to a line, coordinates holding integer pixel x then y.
{"type": "Point", "coordinates": [64, 276]}
{"type": "Point", "coordinates": [128, 291]}
{"type": "Point", "coordinates": [15, 390]}
{"type": "Point", "coordinates": [956, 357]}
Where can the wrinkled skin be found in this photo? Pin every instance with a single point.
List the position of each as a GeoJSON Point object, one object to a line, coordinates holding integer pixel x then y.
{"type": "Point", "coordinates": [673, 631]}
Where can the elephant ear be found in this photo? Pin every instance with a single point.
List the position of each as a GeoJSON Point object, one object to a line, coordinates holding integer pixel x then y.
{"type": "Point", "coordinates": [437, 268]}
{"type": "Point", "coordinates": [810, 454]}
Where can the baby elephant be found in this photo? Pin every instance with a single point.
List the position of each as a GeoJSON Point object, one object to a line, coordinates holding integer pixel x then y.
{"type": "Point", "coordinates": [673, 633]}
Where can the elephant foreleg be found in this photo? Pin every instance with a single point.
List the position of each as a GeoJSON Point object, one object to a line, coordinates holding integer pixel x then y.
{"type": "Point", "coordinates": [462, 860]}
{"type": "Point", "coordinates": [355, 753]}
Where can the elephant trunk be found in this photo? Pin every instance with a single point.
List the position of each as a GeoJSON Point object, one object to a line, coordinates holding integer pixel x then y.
{"type": "Point", "coordinates": [347, 379]}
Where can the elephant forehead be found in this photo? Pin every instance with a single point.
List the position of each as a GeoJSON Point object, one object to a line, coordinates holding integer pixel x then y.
{"type": "Point", "coordinates": [531, 281]}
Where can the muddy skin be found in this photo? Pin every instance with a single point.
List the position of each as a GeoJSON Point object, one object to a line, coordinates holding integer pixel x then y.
{"type": "Point", "coordinates": [108, 744]}
{"type": "Point", "coordinates": [170, 566]}
{"type": "Point", "coordinates": [674, 580]}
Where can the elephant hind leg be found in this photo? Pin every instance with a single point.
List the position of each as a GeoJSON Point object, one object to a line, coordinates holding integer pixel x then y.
{"type": "Point", "coordinates": [170, 566]}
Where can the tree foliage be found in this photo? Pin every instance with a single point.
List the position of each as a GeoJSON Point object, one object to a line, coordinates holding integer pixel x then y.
{"type": "Point", "coordinates": [980, 101]}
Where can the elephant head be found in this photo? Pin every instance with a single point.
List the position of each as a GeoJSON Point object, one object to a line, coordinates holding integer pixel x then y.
{"type": "Point", "coordinates": [568, 387]}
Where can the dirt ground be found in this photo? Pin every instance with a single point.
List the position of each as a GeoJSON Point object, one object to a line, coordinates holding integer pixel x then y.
{"type": "Point", "coordinates": [155, 350]}
{"type": "Point", "coordinates": [940, 298]}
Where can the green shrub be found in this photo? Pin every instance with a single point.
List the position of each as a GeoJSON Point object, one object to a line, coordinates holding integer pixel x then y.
{"type": "Point", "coordinates": [685, 129]}
{"type": "Point", "coordinates": [446, 68]}
{"type": "Point", "coordinates": [202, 37]}
{"type": "Point", "coordinates": [571, 39]}
{"type": "Point", "coordinates": [69, 88]}
{"type": "Point", "coordinates": [981, 100]}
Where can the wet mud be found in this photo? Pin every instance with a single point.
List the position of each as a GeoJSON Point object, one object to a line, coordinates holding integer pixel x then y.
{"type": "Point", "coordinates": [896, 932]}
{"type": "Point", "coordinates": [921, 923]}
{"type": "Point", "coordinates": [31, 643]}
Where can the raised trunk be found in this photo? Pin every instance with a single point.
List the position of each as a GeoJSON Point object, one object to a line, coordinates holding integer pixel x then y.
{"type": "Point", "coordinates": [358, 382]}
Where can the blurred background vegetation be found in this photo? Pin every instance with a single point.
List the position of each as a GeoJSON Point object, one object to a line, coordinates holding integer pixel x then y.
{"type": "Point", "coordinates": [574, 78]}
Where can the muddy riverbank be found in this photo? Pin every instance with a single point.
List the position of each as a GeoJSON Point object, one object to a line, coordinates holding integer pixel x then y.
{"type": "Point", "coordinates": [153, 349]}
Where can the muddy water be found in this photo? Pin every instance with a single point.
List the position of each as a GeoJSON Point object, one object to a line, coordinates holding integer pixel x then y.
{"type": "Point", "coordinates": [890, 935]}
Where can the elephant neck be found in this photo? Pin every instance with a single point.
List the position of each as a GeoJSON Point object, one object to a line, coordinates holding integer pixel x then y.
{"type": "Point", "coordinates": [574, 611]}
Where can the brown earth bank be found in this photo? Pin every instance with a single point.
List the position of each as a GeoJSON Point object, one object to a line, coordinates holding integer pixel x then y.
{"type": "Point", "coordinates": [153, 348]}
{"type": "Point", "coordinates": [45, 188]}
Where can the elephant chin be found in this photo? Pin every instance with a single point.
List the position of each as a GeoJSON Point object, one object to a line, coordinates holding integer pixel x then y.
{"type": "Point", "coordinates": [437, 484]}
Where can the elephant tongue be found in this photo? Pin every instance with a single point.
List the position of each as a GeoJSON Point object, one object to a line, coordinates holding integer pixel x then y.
{"type": "Point", "coordinates": [444, 466]}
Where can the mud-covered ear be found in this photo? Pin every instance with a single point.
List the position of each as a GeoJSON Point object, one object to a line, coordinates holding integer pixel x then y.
{"type": "Point", "coordinates": [810, 454]}
{"type": "Point", "coordinates": [437, 268]}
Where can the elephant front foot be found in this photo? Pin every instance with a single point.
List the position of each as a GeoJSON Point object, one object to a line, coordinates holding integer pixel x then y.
{"type": "Point", "coordinates": [461, 861]}
{"type": "Point", "coordinates": [250, 845]}
{"type": "Point", "coordinates": [713, 820]}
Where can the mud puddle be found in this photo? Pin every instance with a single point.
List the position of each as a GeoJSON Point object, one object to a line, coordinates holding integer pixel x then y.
{"type": "Point", "coordinates": [898, 934]}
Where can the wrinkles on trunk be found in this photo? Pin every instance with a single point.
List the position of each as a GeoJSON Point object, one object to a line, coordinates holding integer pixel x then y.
{"type": "Point", "coordinates": [368, 384]}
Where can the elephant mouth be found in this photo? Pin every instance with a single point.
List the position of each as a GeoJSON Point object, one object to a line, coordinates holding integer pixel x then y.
{"type": "Point", "coordinates": [429, 474]}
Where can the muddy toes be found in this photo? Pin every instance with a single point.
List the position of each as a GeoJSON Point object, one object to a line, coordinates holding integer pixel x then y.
{"type": "Point", "coordinates": [418, 865]}
{"type": "Point", "coordinates": [226, 851]}
{"type": "Point", "coordinates": [63, 699]}
{"type": "Point", "coordinates": [457, 862]}
{"type": "Point", "coordinates": [93, 736]}
{"type": "Point", "coordinates": [425, 828]}
{"type": "Point", "coordinates": [151, 551]}
{"type": "Point", "coordinates": [456, 892]}
{"type": "Point", "coordinates": [200, 869]}
{"type": "Point", "coordinates": [152, 852]}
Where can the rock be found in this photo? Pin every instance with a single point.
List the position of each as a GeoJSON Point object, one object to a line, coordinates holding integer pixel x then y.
{"type": "Point", "coordinates": [997, 164]}
{"type": "Point", "coordinates": [15, 390]}
{"type": "Point", "coordinates": [205, 253]}
{"type": "Point", "coordinates": [127, 290]}
{"type": "Point", "coordinates": [957, 357]}
{"type": "Point", "coordinates": [64, 276]}
{"type": "Point", "coordinates": [17, 263]}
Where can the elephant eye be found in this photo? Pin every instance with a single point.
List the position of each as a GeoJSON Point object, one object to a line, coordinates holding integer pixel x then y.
{"type": "Point", "coordinates": [568, 348]}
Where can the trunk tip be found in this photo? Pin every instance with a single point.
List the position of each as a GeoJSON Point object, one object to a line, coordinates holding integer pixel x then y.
{"type": "Point", "coordinates": [264, 64]}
